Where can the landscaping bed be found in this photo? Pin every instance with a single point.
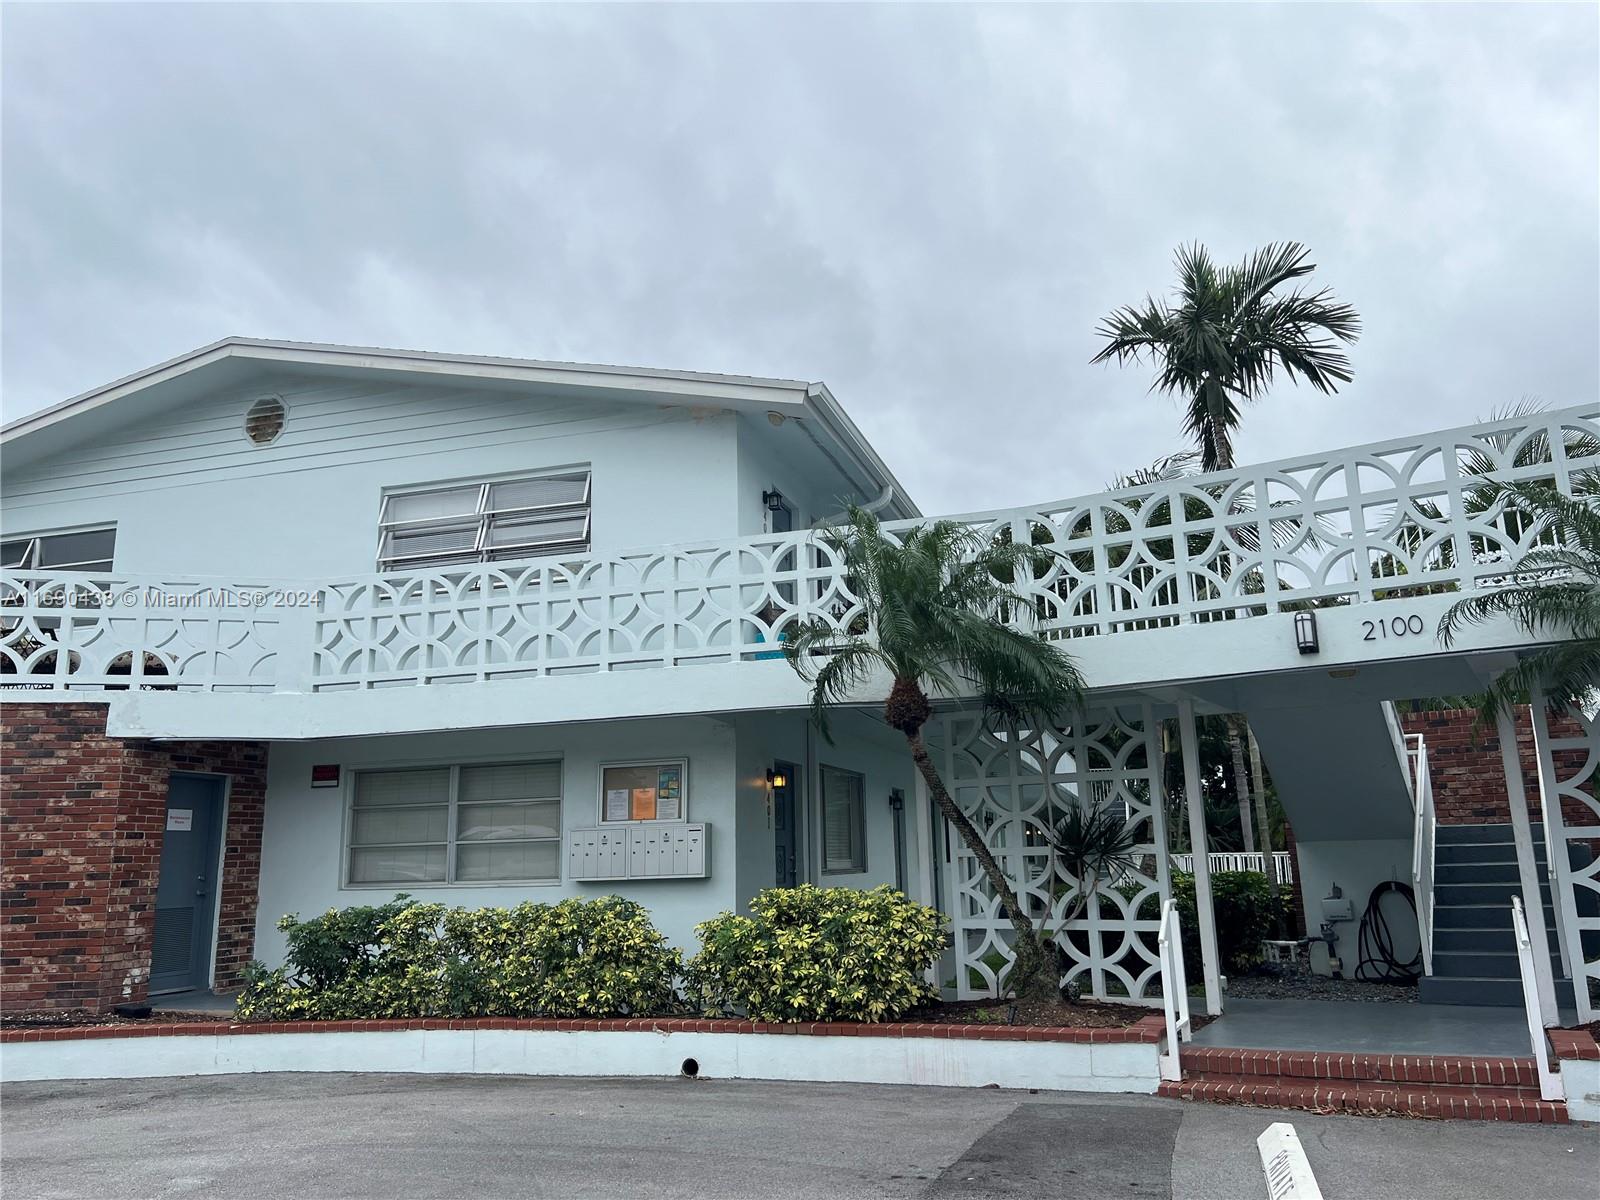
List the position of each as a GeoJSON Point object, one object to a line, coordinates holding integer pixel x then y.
{"type": "Point", "coordinates": [70, 1018]}
{"type": "Point", "coordinates": [1086, 1014]}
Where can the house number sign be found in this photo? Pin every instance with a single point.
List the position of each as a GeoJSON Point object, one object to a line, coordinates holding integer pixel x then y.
{"type": "Point", "coordinates": [1392, 627]}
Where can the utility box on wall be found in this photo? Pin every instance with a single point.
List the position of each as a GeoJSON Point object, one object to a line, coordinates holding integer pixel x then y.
{"type": "Point", "coordinates": [647, 851]}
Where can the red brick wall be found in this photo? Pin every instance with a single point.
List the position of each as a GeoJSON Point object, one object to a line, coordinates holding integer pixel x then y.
{"type": "Point", "coordinates": [1469, 785]}
{"type": "Point", "coordinates": [81, 823]}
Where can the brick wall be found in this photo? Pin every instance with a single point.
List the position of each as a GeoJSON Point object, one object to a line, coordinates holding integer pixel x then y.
{"type": "Point", "coordinates": [1469, 786]}
{"type": "Point", "coordinates": [81, 822]}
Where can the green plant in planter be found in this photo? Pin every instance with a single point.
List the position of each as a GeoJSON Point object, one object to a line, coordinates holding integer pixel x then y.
{"type": "Point", "coordinates": [578, 958]}
{"type": "Point", "coordinates": [818, 954]}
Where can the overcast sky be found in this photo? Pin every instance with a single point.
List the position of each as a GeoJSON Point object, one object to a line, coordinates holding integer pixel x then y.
{"type": "Point", "coordinates": [927, 207]}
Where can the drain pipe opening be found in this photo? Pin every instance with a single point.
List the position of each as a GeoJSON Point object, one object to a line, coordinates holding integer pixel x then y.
{"type": "Point", "coordinates": [690, 1068]}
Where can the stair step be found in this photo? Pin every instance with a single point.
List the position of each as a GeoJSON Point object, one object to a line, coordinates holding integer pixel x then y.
{"type": "Point", "coordinates": [1476, 965]}
{"type": "Point", "coordinates": [1466, 834]}
{"type": "Point", "coordinates": [1485, 992]}
{"type": "Point", "coordinates": [1481, 893]}
{"type": "Point", "coordinates": [1465, 1070]}
{"type": "Point", "coordinates": [1482, 852]}
{"type": "Point", "coordinates": [1479, 941]}
{"type": "Point", "coordinates": [1369, 1100]}
{"type": "Point", "coordinates": [1498, 872]}
{"type": "Point", "coordinates": [1482, 916]}
{"type": "Point", "coordinates": [1433, 1085]}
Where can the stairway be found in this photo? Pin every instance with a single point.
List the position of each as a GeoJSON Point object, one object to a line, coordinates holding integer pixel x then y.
{"type": "Point", "coordinates": [1474, 951]}
{"type": "Point", "coordinates": [1437, 1085]}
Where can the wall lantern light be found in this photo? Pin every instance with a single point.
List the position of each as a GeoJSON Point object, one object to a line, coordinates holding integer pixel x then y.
{"type": "Point", "coordinates": [1305, 631]}
{"type": "Point", "coordinates": [777, 779]}
{"type": "Point", "coordinates": [773, 500]}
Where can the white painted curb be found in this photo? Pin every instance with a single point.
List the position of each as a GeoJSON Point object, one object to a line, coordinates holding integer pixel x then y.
{"type": "Point", "coordinates": [948, 1062]}
{"type": "Point", "coordinates": [1283, 1159]}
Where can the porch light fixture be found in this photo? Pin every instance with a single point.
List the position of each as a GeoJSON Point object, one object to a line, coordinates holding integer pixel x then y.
{"type": "Point", "coordinates": [777, 779]}
{"type": "Point", "coordinates": [1305, 631]}
{"type": "Point", "coordinates": [773, 500]}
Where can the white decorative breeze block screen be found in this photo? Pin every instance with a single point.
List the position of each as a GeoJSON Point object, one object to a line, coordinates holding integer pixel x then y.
{"type": "Point", "coordinates": [1016, 787]}
{"type": "Point", "coordinates": [1372, 523]}
{"type": "Point", "coordinates": [1571, 812]}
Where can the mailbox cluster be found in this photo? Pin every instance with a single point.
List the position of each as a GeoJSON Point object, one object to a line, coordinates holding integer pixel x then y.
{"type": "Point", "coordinates": [648, 851]}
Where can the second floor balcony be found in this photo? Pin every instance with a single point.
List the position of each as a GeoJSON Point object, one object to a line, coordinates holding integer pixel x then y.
{"type": "Point", "coordinates": [1150, 584]}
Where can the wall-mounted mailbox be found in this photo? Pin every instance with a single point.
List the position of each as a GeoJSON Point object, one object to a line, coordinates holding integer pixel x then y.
{"type": "Point", "coordinates": [654, 850]}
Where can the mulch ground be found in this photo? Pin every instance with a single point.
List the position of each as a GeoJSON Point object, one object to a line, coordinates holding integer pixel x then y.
{"type": "Point", "coordinates": [69, 1018]}
{"type": "Point", "coordinates": [1085, 1014]}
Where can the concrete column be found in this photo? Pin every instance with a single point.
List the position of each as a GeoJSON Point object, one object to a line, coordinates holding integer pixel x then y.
{"type": "Point", "coordinates": [1200, 848]}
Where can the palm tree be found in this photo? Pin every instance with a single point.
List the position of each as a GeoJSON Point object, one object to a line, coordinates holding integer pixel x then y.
{"type": "Point", "coordinates": [1222, 343]}
{"type": "Point", "coordinates": [1553, 591]}
{"type": "Point", "coordinates": [1220, 346]}
{"type": "Point", "coordinates": [932, 604]}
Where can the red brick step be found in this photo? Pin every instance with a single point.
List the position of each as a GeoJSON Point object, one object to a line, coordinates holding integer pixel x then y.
{"type": "Point", "coordinates": [1418, 1085]}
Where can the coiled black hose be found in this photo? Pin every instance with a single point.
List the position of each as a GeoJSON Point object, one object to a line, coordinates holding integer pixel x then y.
{"type": "Point", "coordinates": [1375, 945]}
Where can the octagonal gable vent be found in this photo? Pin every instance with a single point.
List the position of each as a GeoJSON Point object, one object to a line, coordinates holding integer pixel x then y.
{"type": "Point", "coordinates": [264, 422]}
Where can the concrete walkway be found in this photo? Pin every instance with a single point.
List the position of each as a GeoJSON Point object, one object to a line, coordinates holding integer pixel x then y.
{"type": "Point", "coordinates": [1362, 1027]}
{"type": "Point", "coordinates": [374, 1137]}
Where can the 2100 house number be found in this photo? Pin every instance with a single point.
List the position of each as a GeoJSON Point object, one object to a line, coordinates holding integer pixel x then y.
{"type": "Point", "coordinates": [1373, 631]}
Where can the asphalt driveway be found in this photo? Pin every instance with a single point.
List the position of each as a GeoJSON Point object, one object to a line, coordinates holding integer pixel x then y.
{"type": "Point", "coordinates": [385, 1136]}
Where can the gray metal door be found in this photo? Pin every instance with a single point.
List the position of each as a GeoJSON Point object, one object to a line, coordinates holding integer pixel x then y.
{"type": "Point", "coordinates": [187, 890]}
{"type": "Point", "coordinates": [783, 828]}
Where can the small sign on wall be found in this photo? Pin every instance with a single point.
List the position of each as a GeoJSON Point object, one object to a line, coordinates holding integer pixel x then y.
{"type": "Point", "coordinates": [326, 775]}
{"type": "Point", "coordinates": [180, 818]}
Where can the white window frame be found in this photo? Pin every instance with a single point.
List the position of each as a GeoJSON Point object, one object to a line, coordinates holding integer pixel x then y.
{"type": "Point", "coordinates": [858, 860]}
{"type": "Point", "coordinates": [485, 517]}
{"type": "Point", "coordinates": [452, 819]}
{"type": "Point", "coordinates": [30, 556]}
{"type": "Point", "coordinates": [683, 784]}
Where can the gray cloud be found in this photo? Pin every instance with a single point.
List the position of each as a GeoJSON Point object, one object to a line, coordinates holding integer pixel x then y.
{"type": "Point", "coordinates": [928, 207]}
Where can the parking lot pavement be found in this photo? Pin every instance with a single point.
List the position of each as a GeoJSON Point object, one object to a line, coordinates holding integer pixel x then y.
{"type": "Point", "coordinates": [384, 1136]}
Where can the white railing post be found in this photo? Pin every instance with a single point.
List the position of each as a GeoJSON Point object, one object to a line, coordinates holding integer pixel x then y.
{"type": "Point", "coordinates": [1527, 869]}
{"type": "Point", "coordinates": [1423, 837]}
{"type": "Point", "coordinates": [1174, 990]}
{"type": "Point", "coordinates": [1538, 1019]}
{"type": "Point", "coordinates": [1190, 745]}
{"type": "Point", "coordinates": [1557, 867]}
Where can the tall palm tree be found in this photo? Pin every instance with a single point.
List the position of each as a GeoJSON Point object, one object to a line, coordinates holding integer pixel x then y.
{"type": "Point", "coordinates": [1218, 346]}
{"type": "Point", "coordinates": [1221, 343]}
{"type": "Point", "coordinates": [932, 600]}
{"type": "Point", "coordinates": [1554, 591]}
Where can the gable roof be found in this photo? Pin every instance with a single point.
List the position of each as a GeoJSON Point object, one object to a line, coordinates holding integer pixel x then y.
{"type": "Point", "coordinates": [232, 359]}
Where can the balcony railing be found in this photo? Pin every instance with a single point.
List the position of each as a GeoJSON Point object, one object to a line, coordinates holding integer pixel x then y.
{"type": "Point", "coordinates": [1394, 519]}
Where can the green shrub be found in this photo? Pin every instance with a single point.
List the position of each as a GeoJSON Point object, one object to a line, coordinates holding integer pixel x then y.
{"type": "Point", "coordinates": [1242, 902]}
{"type": "Point", "coordinates": [818, 954]}
{"type": "Point", "coordinates": [364, 962]}
{"type": "Point", "coordinates": [578, 958]}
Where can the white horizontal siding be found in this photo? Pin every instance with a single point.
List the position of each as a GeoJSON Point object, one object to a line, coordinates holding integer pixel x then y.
{"type": "Point", "coordinates": [190, 494]}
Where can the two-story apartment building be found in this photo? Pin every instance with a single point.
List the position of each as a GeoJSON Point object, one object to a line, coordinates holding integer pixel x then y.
{"type": "Point", "coordinates": [290, 627]}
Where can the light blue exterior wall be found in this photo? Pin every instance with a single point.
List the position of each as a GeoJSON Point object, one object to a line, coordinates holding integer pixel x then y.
{"type": "Point", "coordinates": [191, 495]}
{"type": "Point", "coordinates": [304, 834]}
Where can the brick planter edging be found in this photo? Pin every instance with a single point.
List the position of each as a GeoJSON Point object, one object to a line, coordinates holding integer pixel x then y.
{"type": "Point", "coordinates": [1149, 1029]}
{"type": "Point", "coordinates": [1574, 1044]}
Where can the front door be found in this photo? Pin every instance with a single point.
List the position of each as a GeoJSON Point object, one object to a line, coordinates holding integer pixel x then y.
{"type": "Point", "coordinates": [187, 890]}
{"type": "Point", "coordinates": [783, 828]}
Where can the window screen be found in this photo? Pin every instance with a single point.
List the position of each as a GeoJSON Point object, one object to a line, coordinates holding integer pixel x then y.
{"type": "Point", "coordinates": [82, 550]}
{"type": "Point", "coordinates": [844, 842]}
{"type": "Point", "coordinates": [495, 823]}
{"type": "Point", "coordinates": [484, 522]}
